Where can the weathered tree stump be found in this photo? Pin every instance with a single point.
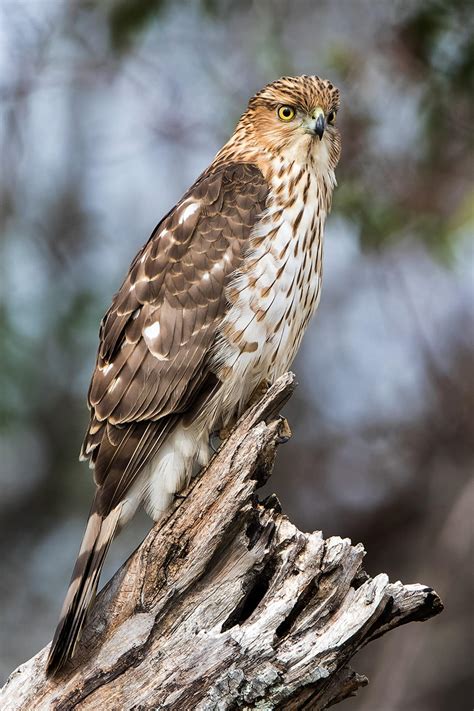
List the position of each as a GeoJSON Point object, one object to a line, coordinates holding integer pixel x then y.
{"type": "Point", "coordinates": [226, 604]}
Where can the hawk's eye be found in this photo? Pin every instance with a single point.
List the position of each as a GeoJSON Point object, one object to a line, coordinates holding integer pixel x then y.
{"type": "Point", "coordinates": [331, 118]}
{"type": "Point", "coordinates": [286, 113]}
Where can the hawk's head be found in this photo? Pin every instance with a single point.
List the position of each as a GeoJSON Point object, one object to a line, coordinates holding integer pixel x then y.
{"type": "Point", "coordinates": [296, 116]}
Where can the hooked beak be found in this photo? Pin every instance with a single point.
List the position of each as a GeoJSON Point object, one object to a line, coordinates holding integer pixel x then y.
{"type": "Point", "coordinates": [317, 124]}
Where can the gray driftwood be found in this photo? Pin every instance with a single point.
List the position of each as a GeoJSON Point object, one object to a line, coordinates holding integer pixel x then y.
{"type": "Point", "coordinates": [226, 604]}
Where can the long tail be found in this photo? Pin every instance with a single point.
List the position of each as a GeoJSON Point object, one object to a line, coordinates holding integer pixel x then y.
{"type": "Point", "coordinates": [83, 586]}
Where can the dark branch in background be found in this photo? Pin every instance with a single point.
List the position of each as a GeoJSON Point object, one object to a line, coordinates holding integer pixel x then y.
{"type": "Point", "coordinates": [226, 604]}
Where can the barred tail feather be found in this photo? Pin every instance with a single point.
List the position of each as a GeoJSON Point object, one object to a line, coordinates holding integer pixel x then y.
{"type": "Point", "coordinates": [97, 538]}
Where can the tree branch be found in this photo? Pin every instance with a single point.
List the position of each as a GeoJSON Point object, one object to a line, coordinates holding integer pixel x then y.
{"type": "Point", "coordinates": [226, 604]}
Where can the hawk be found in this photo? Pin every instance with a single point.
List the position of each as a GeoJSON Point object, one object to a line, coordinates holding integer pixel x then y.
{"type": "Point", "coordinates": [213, 305]}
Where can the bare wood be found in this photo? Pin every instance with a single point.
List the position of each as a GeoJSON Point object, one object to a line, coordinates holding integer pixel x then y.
{"type": "Point", "coordinates": [226, 604]}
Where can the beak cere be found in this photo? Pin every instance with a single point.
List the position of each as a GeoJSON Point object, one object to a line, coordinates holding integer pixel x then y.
{"type": "Point", "coordinates": [319, 126]}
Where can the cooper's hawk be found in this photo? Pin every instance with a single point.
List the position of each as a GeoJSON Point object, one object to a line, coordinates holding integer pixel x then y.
{"type": "Point", "coordinates": [216, 302]}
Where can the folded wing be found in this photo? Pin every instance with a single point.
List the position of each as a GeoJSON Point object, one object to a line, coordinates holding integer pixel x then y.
{"type": "Point", "coordinates": [155, 340]}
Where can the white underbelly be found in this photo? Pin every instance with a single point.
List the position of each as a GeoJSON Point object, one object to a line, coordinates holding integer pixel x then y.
{"type": "Point", "coordinates": [273, 299]}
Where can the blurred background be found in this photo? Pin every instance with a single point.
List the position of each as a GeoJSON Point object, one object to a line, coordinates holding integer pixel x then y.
{"type": "Point", "coordinates": [109, 111]}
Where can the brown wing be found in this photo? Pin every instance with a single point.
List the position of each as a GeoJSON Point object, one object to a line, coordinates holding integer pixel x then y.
{"type": "Point", "coordinates": [152, 363]}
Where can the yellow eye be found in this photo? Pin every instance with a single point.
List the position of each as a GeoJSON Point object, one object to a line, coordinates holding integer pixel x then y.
{"type": "Point", "coordinates": [331, 118]}
{"type": "Point", "coordinates": [286, 113]}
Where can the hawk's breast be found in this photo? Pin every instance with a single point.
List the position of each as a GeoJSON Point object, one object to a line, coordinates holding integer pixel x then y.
{"type": "Point", "coordinates": [277, 289]}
